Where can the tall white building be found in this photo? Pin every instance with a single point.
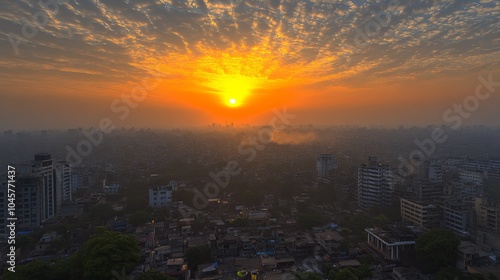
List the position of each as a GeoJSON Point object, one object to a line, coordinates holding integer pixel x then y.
{"type": "Point", "coordinates": [325, 165]}
{"type": "Point", "coordinates": [62, 171]}
{"type": "Point", "coordinates": [375, 184]}
{"type": "Point", "coordinates": [42, 185]}
{"type": "Point", "coordinates": [161, 196]}
{"type": "Point", "coordinates": [43, 165]}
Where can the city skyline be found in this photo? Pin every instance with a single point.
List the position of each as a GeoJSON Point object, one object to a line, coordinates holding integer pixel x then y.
{"type": "Point", "coordinates": [192, 63]}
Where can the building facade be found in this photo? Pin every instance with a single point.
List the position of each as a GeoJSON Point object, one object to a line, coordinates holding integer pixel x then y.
{"type": "Point", "coordinates": [375, 184]}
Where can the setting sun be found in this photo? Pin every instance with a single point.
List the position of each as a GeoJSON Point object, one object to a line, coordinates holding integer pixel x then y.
{"type": "Point", "coordinates": [232, 101]}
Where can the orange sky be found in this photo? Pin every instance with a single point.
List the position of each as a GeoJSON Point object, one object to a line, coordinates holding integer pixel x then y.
{"type": "Point", "coordinates": [235, 62]}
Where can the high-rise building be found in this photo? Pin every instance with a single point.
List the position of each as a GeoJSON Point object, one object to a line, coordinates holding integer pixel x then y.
{"type": "Point", "coordinates": [456, 217]}
{"type": "Point", "coordinates": [375, 184]}
{"type": "Point", "coordinates": [42, 185]}
{"type": "Point", "coordinates": [43, 165]}
{"type": "Point", "coordinates": [62, 171]}
{"type": "Point", "coordinates": [325, 165]}
{"type": "Point", "coordinates": [160, 196]}
{"type": "Point", "coordinates": [28, 203]}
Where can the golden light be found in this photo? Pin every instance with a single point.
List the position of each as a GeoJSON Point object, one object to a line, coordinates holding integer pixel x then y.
{"type": "Point", "coordinates": [234, 89]}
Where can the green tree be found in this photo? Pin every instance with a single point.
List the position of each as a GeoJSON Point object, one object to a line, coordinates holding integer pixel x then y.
{"type": "Point", "coordinates": [102, 212]}
{"type": "Point", "coordinates": [307, 276]}
{"type": "Point", "coordinates": [197, 255]}
{"type": "Point", "coordinates": [33, 271]}
{"type": "Point", "coordinates": [436, 249]}
{"type": "Point", "coordinates": [347, 273]}
{"type": "Point", "coordinates": [105, 252]}
{"type": "Point", "coordinates": [138, 218]}
{"type": "Point", "coordinates": [154, 274]}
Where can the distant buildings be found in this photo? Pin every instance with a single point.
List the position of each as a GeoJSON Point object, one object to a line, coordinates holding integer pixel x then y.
{"type": "Point", "coordinates": [41, 186]}
{"type": "Point", "coordinates": [325, 165]}
{"type": "Point", "coordinates": [375, 184]}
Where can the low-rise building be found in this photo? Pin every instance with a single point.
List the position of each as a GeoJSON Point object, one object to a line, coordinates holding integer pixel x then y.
{"type": "Point", "coordinates": [391, 242]}
{"type": "Point", "coordinates": [419, 213]}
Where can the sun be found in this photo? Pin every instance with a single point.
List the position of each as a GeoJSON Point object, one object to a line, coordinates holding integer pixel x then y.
{"type": "Point", "coordinates": [234, 89]}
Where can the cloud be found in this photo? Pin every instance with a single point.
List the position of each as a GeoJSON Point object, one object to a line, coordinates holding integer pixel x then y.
{"type": "Point", "coordinates": [311, 42]}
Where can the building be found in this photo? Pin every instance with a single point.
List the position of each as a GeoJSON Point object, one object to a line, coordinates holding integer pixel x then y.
{"type": "Point", "coordinates": [375, 184]}
{"type": "Point", "coordinates": [325, 165]}
{"type": "Point", "coordinates": [42, 186]}
{"type": "Point", "coordinates": [392, 243]}
{"type": "Point", "coordinates": [472, 176]}
{"type": "Point", "coordinates": [160, 196]}
{"type": "Point", "coordinates": [494, 169]}
{"type": "Point", "coordinates": [419, 213]}
{"type": "Point", "coordinates": [456, 216]}
{"type": "Point", "coordinates": [28, 210]}
{"type": "Point", "coordinates": [428, 191]}
{"type": "Point", "coordinates": [487, 214]}
{"type": "Point", "coordinates": [43, 166]}
{"type": "Point", "coordinates": [64, 190]}
{"type": "Point", "coordinates": [431, 170]}
{"type": "Point", "coordinates": [111, 189]}
{"type": "Point", "coordinates": [329, 241]}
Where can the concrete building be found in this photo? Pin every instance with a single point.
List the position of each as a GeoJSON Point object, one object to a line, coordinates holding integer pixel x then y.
{"type": "Point", "coordinates": [428, 191]}
{"type": "Point", "coordinates": [487, 214]}
{"type": "Point", "coordinates": [420, 213]}
{"type": "Point", "coordinates": [392, 242]}
{"type": "Point", "coordinates": [28, 204]}
{"type": "Point", "coordinates": [473, 176]}
{"type": "Point", "coordinates": [63, 182]}
{"type": "Point", "coordinates": [456, 216]}
{"type": "Point", "coordinates": [160, 196]}
{"type": "Point", "coordinates": [325, 165]}
{"type": "Point", "coordinates": [375, 184]}
{"type": "Point", "coordinates": [111, 189]}
{"type": "Point", "coordinates": [329, 241]}
{"type": "Point", "coordinates": [431, 170]}
{"type": "Point", "coordinates": [43, 166]}
{"type": "Point", "coordinates": [494, 169]}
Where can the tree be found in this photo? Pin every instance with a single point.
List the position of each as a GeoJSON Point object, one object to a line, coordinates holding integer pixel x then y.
{"type": "Point", "coordinates": [197, 255]}
{"type": "Point", "coordinates": [307, 276]}
{"type": "Point", "coordinates": [105, 252]}
{"type": "Point", "coordinates": [138, 218]}
{"type": "Point", "coordinates": [102, 211]}
{"type": "Point", "coordinates": [344, 274]}
{"type": "Point", "coordinates": [154, 274]}
{"type": "Point", "coordinates": [436, 249]}
{"type": "Point", "coordinates": [32, 271]}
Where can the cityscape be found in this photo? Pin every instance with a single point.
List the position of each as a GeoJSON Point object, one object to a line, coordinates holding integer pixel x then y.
{"type": "Point", "coordinates": [249, 140]}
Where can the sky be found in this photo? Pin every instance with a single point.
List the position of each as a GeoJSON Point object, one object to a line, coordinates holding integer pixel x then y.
{"type": "Point", "coordinates": [168, 63]}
